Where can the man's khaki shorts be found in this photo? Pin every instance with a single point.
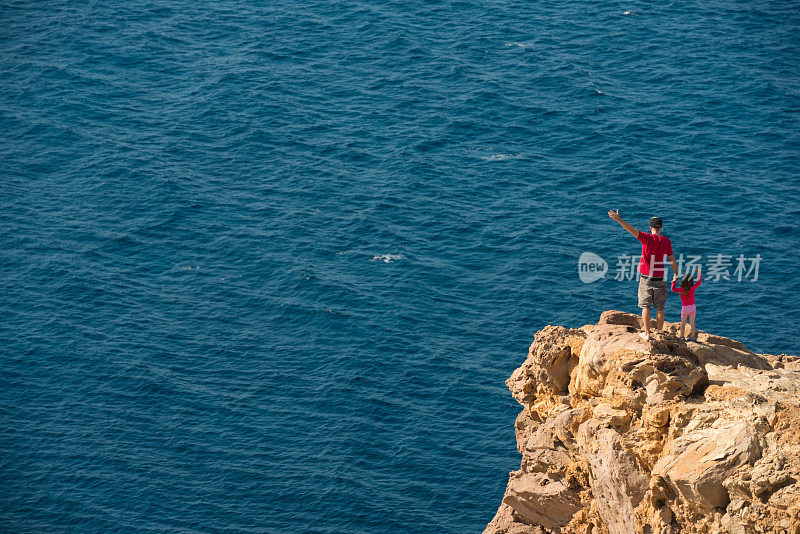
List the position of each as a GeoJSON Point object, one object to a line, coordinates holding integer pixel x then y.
{"type": "Point", "coordinates": [652, 293]}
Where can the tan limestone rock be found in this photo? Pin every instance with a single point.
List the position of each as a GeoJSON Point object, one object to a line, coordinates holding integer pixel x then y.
{"type": "Point", "coordinates": [622, 435]}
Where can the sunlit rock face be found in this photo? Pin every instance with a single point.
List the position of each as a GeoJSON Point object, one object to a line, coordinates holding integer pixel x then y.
{"type": "Point", "coordinates": [622, 435]}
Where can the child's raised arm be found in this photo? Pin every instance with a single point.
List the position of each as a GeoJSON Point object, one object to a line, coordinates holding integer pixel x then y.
{"type": "Point", "coordinates": [699, 279]}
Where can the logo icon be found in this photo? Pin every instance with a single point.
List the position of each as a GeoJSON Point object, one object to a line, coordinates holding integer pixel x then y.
{"type": "Point", "coordinates": [591, 267]}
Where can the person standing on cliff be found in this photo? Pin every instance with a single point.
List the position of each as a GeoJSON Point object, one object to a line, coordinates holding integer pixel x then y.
{"type": "Point", "coordinates": [652, 285]}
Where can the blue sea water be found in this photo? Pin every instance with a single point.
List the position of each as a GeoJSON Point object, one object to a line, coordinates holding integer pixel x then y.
{"type": "Point", "coordinates": [265, 266]}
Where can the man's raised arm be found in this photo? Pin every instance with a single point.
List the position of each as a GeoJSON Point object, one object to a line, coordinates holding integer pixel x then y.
{"type": "Point", "coordinates": [615, 215]}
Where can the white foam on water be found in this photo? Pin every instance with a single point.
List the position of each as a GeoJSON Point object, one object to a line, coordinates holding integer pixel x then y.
{"type": "Point", "coordinates": [387, 258]}
{"type": "Point", "coordinates": [500, 157]}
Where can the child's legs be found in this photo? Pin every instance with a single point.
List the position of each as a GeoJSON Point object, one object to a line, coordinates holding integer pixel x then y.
{"type": "Point", "coordinates": [694, 328]}
{"type": "Point", "coordinates": [683, 323]}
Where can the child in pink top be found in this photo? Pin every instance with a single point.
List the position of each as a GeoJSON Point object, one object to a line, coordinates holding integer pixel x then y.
{"type": "Point", "coordinates": [686, 291]}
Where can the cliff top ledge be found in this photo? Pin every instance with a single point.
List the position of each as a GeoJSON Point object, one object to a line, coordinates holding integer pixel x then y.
{"type": "Point", "coordinates": [622, 435]}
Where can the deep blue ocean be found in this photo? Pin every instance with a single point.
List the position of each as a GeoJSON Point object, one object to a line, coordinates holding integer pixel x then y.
{"type": "Point", "coordinates": [265, 266]}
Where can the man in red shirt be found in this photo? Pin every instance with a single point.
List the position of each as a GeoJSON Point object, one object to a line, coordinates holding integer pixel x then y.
{"type": "Point", "coordinates": [652, 285]}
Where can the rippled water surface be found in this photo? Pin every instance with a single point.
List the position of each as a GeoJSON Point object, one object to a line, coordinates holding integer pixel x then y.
{"type": "Point", "coordinates": [265, 266]}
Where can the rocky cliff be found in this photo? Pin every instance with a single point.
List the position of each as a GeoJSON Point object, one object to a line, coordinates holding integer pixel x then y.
{"type": "Point", "coordinates": [622, 435]}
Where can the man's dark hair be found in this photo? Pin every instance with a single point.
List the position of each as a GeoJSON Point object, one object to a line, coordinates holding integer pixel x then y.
{"type": "Point", "coordinates": [655, 222]}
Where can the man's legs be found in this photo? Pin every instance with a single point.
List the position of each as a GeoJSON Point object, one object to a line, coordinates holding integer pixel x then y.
{"type": "Point", "coordinates": [659, 301]}
{"type": "Point", "coordinates": [645, 295]}
{"type": "Point", "coordinates": [646, 321]}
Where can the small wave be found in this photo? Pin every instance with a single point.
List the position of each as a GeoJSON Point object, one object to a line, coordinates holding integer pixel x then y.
{"type": "Point", "coordinates": [500, 157]}
{"type": "Point", "coordinates": [630, 13]}
{"type": "Point", "coordinates": [520, 45]}
{"type": "Point", "coordinates": [387, 258]}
